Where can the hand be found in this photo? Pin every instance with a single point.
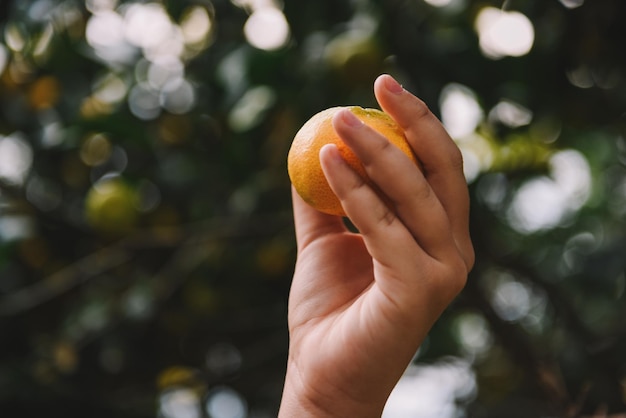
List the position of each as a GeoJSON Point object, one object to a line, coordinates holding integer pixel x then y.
{"type": "Point", "coordinates": [361, 304]}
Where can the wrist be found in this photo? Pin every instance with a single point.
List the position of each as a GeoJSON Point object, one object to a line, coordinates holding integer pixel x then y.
{"type": "Point", "coordinates": [302, 399]}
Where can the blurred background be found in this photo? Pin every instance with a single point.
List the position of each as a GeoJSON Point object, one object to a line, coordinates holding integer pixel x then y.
{"type": "Point", "coordinates": [146, 240]}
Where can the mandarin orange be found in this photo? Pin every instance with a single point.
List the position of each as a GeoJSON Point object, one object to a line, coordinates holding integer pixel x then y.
{"type": "Point", "coordinates": [303, 164]}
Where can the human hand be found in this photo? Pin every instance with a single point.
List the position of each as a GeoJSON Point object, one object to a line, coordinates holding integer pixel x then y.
{"type": "Point", "coordinates": [361, 304]}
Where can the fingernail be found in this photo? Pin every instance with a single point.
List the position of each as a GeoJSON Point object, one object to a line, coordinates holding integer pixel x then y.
{"type": "Point", "coordinates": [332, 151]}
{"type": "Point", "coordinates": [393, 86]}
{"type": "Point", "coordinates": [350, 119]}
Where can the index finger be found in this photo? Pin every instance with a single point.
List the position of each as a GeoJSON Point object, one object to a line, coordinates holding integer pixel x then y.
{"type": "Point", "coordinates": [441, 159]}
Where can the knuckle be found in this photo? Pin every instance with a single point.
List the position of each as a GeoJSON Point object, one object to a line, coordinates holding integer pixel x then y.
{"type": "Point", "coordinates": [381, 146]}
{"type": "Point", "coordinates": [417, 110]}
{"type": "Point", "coordinates": [454, 279]}
{"type": "Point", "coordinates": [459, 272]}
{"type": "Point", "coordinates": [422, 192]}
{"type": "Point", "coordinates": [456, 158]}
{"type": "Point", "coordinates": [420, 109]}
{"type": "Point", "coordinates": [386, 217]}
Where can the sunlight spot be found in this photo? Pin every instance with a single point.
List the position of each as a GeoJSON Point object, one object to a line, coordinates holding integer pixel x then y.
{"type": "Point", "coordinates": [44, 41]}
{"type": "Point", "coordinates": [146, 25]}
{"type": "Point", "coordinates": [98, 6]}
{"type": "Point", "coordinates": [511, 300]}
{"type": "Point", "coordinates": [179, 403]}
{"type": "Point", "coordinates": [249, 110]}
{"type": "Point", "coordinates": [478, 155]}
{"type": "Point", "coordinates": [432, 391]}
{"type": "Point", "coordinates": [511, 114]}
{"type": "Point", "coordinates": [174, 46]}
{"type": "Point", "coordinates": [138, 303]}
{"type": "Point", "coordinates": [438, 3]}
{"type": "Point", "coordinates": [177, 97]}
{"type": "Point", "coordinates": [473, 334]}
{"type": "Point", "coordinates": [538, 204]}
{"type": "Point", "coordinates": [580, 77]}
{"type": "Point", "coordinates": [254, 4]}
{"type": "Point", "coordinates": [572, 4]}
{"type": "Point", "coordinates": [503, 33]}
{"type": "Point", "coordinates": [267, 29]}
{"type": "Point", "coordinates": [52, 131]}
{"type": "Point", "coordinates": [165, 70]}
{"type": "Point", "coordinates": [224, 402]}
{"type": "Point", "coordinates": [516, 300]}
{"type": "Point", "coordinates": [544, 202]}
{"type": "Point", "coordinates": [15, 227]}
{"type": "Point", "coordinates": [104, 33]}
{"type": "Point", "coordinates": [577, 247]}
{"type": "Point", "coordinates": [460, 111]}
{"type": "Point", "coordinates": [95, 150]}
{"type": "Point", "coordinates": [144, 102]}
{"type": "Point", "coordinates": [41, 10]}
{"type": "Point", "coordinates": [196, 25]}
{"type": "Point", "coordinates": [16, 159]}
{"type": "Point", "coordinates": [4, 58]}
{"type": "Point", "coordinates": [104, 30]}
{"type": "Point", "coordinates": [110, 89]}
{"type": "Point", "coordinates": [14, 37]}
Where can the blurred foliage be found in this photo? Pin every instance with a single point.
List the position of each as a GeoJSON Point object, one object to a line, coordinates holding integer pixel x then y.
{"type": "Point", "coordinates": [146, 243]}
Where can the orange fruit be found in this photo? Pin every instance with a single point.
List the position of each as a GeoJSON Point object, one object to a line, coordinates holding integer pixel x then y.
{"type": "Point", "coordinates": [303, 164]}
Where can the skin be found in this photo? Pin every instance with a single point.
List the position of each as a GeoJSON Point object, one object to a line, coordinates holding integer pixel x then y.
{"type": "Point", "coordinates": [361, 304]}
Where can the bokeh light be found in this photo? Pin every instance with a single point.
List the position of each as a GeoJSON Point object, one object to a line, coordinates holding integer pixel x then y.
{"type": "Point", "coordinates": [180, 403]}
{"type": "Point", "coordinates": [15, 227]}
{"type": "Point", "coordinates": [4, 57]}
{"type": "Point", "coordinates": [544, 202]}
{"type": "Point", "coordinates": [14, 37]}
{"type": "Point", "coordinates": [511, 114]}
{"type": "Point", "coordinates": [473, 334]}
{"type": "Point", "coordinates": [96, 6]}
{"type": "Point", "coordinates": [460, 111]}
{"type": "Point", "coordinates": [146, 36]}
{"type": "Point", "coordinates": [177, 96]}
{"type": "Point", "coordinates": [196, 25]}
{"type": "Point", "coordinates": [432, 391]}
{"type": "Point", "coordinates": [267, 28]}
{"type": "Point", "coordinates": [479, 154]}
{"type": "Point", "coordinates": [147, 25]}
{"type": "Point", "coordinates": [110, 89]}
{"type": "Point", "coordinates": [511, 299]}
{"type": "Point", "coordinates": [438, 3]}
{"type": "Point", "coordinates": [16, 158]}
{"type": "Point", "coordinates": [572, 4]}
{"type": "Point", "coordinates": [144, 102]}
{"type": "Point", "coordinates": [225, 402]}
{"type": "Point", "coordinates": [503, 33]}
{"type": "Point", "coordinates": [249, 110]}
{"type": "Point", "coordinates": [105, 34]}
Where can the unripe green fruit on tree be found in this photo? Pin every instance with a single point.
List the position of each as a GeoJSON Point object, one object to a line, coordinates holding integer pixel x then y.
{"type": "Point", "coordinates": [111, 207]}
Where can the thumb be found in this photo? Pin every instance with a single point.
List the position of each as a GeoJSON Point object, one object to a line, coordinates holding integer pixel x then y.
{"type": "Point", "coordinates": [311, 224]}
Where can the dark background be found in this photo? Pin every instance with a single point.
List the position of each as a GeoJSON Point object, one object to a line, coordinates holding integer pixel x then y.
{"type": "Point", "coordinates": [146, 240]}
